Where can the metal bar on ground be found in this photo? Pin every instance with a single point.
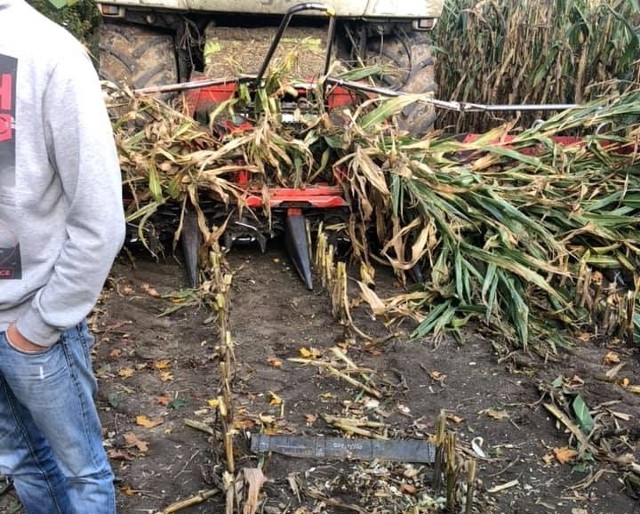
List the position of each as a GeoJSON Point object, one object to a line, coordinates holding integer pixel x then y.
{"type": "Point", "coordinates": [405, 450]}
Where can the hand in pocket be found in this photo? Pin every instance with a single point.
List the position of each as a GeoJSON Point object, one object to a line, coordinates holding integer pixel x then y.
{"type": "Point", "coordinates": [21, 343]}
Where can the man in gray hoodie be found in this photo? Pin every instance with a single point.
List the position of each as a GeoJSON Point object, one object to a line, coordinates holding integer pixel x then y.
{"type": "Point", "coordinates": [61, 227]}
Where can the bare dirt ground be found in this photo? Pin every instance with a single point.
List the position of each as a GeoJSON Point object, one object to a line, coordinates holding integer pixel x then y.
{"type": "Point", "coordinates": [158, 373]}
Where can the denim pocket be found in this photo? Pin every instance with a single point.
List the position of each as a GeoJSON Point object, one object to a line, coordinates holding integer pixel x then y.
{"type": "Point", "coordinates": [6, 341]}
{"type": "Point", "coordinates": [34, 378]}
{"type": "Point", "coordinates": [81, 335]}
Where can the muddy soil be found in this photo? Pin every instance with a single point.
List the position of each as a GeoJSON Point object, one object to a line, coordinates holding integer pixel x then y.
{"type": "Point", "coordinates": [159, 377]}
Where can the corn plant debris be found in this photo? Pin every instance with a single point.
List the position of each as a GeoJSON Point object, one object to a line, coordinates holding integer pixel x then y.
{"type": "Point", "coordinates": [532, 237]}
{"type": "Point", "coordinates": [594, 433]}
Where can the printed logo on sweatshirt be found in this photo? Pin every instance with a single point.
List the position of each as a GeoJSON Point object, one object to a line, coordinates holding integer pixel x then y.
{"type": "Point", "coordinates": [10, 267]}
{"type": "Point", "coordinates": [10, 263]}
{"type": "Point", "coordinates": [6, 106]}
{"type": "Point", "coordinates": [8, 68]}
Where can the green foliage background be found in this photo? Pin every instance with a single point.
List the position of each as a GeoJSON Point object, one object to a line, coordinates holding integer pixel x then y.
{"type": "Point", "coordinates": [81, 19]}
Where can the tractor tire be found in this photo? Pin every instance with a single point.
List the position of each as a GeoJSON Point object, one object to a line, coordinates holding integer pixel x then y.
{"type": "Point", "coordinates": [136, 56]}
{"type": "Point", "coordinates": [411, 63]}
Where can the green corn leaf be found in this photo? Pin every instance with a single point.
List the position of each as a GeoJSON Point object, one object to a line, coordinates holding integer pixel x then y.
{"type": "Point", "coordinates": [583, 415]}
{"type": "Point", "coordinates": [387, 109]}
{"type": "Point", "coordinates": [155, 188]}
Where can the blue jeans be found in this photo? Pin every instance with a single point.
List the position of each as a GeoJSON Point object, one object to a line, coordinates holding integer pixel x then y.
{"type": "Point", "coordinates": [50, 433]}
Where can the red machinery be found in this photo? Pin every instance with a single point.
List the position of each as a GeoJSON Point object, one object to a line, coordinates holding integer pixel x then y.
{"type": "Point", "coordinates": [290, 208]}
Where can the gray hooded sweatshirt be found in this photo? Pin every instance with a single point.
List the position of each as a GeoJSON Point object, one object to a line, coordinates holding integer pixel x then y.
{"type": "Point", "coordinates": [61, 214]}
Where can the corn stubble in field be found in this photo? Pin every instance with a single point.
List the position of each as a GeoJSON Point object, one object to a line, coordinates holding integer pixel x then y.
{"type": "Point", "coordinates": [537, 240]}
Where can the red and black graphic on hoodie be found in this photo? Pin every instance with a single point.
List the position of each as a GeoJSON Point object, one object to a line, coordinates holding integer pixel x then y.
{"type": "Point", "coordinates": [10, 263]}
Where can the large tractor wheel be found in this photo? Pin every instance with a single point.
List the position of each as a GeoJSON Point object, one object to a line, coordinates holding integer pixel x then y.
{"type": "Point", "coordinates": [137, 56]}
{"type": "Point", "coordinates": [410, 67]}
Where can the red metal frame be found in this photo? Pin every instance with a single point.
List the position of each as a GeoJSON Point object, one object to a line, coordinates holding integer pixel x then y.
{"type": "Point", "coordinates": [319, 196]}
{"type": "Point", "coordinates": [207, 97]}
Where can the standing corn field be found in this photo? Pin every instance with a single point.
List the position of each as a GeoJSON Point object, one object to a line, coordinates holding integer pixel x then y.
{"type": "Point", "coordinates": [536, 52]}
